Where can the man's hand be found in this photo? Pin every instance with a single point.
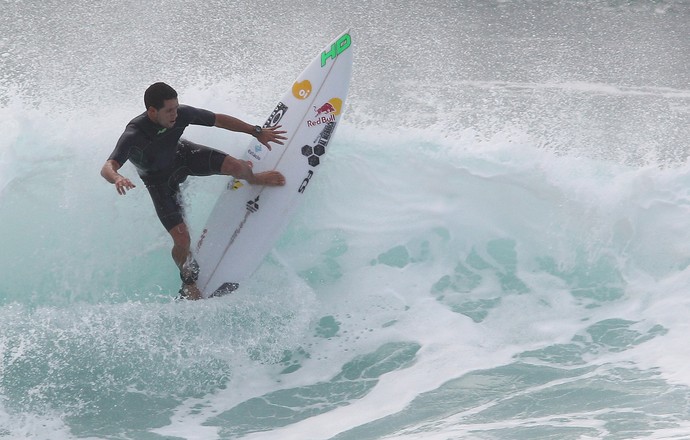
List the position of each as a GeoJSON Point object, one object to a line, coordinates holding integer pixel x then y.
{"type": "Point", "coordinates": [123, 184]}
{"type": "Point", "coordinates": [272, 134]}
{"type": "Point", "coordinates": [109, 173]}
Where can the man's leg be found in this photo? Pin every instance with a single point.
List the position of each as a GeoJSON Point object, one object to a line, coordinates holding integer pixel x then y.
{"type": "Point", "coordinates": [182, 256]}
{"type": "Point", "coordinates": [200, 160]}
{"type": "Point", "coordinates": [165, 199]}
{"type": "Point", "coordinates": [181, 244]}
{"type": "Point", "coordinates": [242, 169]}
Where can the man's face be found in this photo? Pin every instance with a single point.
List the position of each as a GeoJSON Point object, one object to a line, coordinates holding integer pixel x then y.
{"type": "Point", "coordinates": [166, 116]}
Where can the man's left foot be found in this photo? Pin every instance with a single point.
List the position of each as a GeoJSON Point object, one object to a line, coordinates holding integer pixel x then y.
{"type": "Point", "coordinates": [268, 178]}
{"type": "Point", "coordinates": [190, 291]}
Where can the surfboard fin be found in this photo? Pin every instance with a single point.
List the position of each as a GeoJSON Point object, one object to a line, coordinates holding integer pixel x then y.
{"type": "Point", "coordinates": [225, 289]}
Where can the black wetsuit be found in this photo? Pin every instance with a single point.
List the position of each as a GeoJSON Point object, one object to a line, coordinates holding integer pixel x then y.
{"type": "Point", "coordinates": [163, 160]}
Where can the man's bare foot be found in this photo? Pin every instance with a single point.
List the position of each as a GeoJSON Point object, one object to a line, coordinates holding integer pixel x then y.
{"type": "Point", "coordinates": [190, 291]}
{"type": "Point", "coordinates": [268, 178]}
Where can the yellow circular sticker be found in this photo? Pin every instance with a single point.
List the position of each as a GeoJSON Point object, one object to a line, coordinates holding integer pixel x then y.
{"type": "Point", "coordinates": [301, 90]}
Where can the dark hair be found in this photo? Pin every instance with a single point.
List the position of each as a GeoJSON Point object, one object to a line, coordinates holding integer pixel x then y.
{"type": "Point", "coordinates": [157, 93]}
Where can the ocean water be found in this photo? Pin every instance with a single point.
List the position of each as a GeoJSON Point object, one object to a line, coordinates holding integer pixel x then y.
{"type": "Point", "coordinates": [498, 246]}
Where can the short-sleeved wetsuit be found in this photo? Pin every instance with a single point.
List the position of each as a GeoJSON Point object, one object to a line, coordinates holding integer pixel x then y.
{"type": "Point", "coordinates": [163, 160]}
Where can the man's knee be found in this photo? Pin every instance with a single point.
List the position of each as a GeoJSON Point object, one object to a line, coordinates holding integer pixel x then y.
{"type": "Point", "coordinates": [235, 167]}
{"type": "Point", "coordinates": [180, 235]}
{"type": "Point", "coordinates": [228, 166]}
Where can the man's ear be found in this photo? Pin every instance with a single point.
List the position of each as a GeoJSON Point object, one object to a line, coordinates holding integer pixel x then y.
{"type": "Point", "coordinates": [152, 112]}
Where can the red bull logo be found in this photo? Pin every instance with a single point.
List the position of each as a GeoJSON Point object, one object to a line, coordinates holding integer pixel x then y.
{"type": "Point", "coordinates": [325, 109]}
{"type": "Point", "coordinates": [326, 112]}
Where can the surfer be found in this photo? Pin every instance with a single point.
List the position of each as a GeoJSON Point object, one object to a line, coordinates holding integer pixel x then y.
{"type": "Point", "coordinates": [152, 142]}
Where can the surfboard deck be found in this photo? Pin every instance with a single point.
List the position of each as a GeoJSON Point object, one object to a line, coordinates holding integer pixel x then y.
{"type": "Point", "coordinates": [247, 220]}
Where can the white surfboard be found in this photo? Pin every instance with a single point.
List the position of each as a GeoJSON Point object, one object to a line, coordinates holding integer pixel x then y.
{"type": "Point", "coordinates": [247, 220]}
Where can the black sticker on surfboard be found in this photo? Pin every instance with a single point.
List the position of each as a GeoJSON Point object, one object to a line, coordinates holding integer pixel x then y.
{"type": "Point", "coordinates": [253, 205]}
{"type": "Point", "coordinates": [276, 116]}
{"type": "Point", "coordinates": [319, 149]}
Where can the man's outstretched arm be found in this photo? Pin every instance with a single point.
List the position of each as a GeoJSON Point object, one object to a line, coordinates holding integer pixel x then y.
{"type": "Point", "coordinates": [273, 134]}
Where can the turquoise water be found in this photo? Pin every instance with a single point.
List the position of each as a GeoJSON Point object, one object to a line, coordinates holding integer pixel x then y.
{"type": "Point", "coordinates": [498, 246]}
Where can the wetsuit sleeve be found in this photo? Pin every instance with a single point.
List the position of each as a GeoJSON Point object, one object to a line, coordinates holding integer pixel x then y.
{"type": "Point", "coordinates": [197, 116]}
{"type": "Point", "coordinates": [123, 148]}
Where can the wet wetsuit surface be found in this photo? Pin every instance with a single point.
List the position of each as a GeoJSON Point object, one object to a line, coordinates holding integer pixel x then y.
{"type": "Point", "coordinates": [163, 160]}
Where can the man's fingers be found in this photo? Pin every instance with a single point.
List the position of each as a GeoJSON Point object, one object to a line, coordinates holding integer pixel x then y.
{"type": "Point", "coordinates": [273, 134]}
{"type": "Point", "coordinates": [124, 185]}
{"type": "Point", "coordinates": [277, 133]}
